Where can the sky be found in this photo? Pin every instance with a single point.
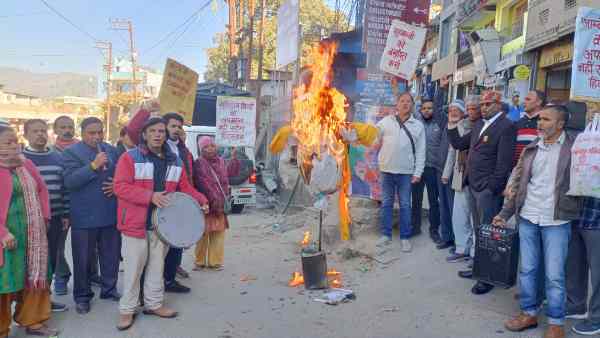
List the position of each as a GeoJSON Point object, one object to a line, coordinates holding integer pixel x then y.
{"type": "Point", "coordinates": [34, 38]}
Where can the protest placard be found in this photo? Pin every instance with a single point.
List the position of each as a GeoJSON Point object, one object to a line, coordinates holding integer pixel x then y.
{"type": "Point", "coordinates": [585, 75]}
{"type": "Point", "coordinates": [402, 50]}
{"type": "Point", "coordinates": [236, 118]}
{"type": "Point", "coordinates": [178, 90]}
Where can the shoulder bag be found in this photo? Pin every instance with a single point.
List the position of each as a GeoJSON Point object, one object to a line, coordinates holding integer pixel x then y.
{"type": "Point", "coordinates": [228, 202]}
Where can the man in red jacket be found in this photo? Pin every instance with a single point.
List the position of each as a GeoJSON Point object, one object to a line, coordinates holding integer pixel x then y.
{"type": "Point", "coordinates": [142, 185]}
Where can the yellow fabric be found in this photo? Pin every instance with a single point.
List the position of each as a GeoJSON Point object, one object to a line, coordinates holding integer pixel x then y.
{"type": "Point", "coordinates": [367, 133]}
{"type": "Point", "coordinates": [210, 249]}
{"type": "Point", "coordinates": [280, 139]}
{"type": "Point", "coordinates": [345, 219]}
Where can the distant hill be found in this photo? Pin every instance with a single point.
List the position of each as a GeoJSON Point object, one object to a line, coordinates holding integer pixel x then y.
{"type": "Point", "coordinates": [48, 85]}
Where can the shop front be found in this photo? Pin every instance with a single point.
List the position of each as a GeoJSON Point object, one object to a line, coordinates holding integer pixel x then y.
{"type": "Point", "coordinates": [554, 70]}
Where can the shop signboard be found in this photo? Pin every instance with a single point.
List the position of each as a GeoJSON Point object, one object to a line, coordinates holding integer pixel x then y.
{"type": "Point", "coordinates": [549, 20]}
{"type": "Point", "coordinates": [585, 74]}
{"type": "Point", "coordinates": [521, 72]}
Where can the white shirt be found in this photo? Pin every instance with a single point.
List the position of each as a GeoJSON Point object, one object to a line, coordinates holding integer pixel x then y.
{"type": "Point", "coordinates": [396, 155]}
{"type": "Point", "coordinates": [488, 122]}
{"type": "Point", "coordinates": [173, 145]}
{"type": "Point", "coordinates": [540, 201]}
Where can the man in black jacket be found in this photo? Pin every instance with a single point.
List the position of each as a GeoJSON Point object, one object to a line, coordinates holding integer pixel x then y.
{"type": "Point", "coordinates": [491, 145]}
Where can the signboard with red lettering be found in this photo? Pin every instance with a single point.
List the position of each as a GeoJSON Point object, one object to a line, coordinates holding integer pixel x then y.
{"type": "Point", "coordinates": [178, 90]}
{"type": "Point", "coordinates": [402, 50]}
{"type": "Point", "coordinates": [236, 121]}
{"type": "Point", "coordinates": [585, 75]}
{"type": "Point", "coordinates": [380, 14]}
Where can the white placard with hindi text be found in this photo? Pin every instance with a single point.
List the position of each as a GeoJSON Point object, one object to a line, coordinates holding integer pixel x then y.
{"type": "Point", "coordinates": [402, 49]}
{"type": "Point", "coordinates": [585, 75]}
{"type": "Point", "coordinates": [236, 121]}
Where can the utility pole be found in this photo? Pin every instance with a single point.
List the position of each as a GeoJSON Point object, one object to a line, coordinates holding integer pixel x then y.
{"type": "Point", "coordinates": [107, 46]}
{"type": "Point", "coordinates": [127, 25]}
{"type": "Point", "coordinates": [241, 34]}
{"type": "Point", "coordinates": [251, 8]}
{"type": "Point", "coordinates": [232, 32]}
{"type": "Point", "coordinates": [261, 45]}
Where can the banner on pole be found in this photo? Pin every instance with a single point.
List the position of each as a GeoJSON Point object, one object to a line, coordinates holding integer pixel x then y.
{"type": "Point", "coordinates": [585, 75]}
{"type": "Point", "coordinates": [402, 50]}
{"type": "Point", "coordinates": [178, 90]}
{"type": "Point", "coordinates": [288, 26]}
{"type": "Point", "coordinates": [236, 118]}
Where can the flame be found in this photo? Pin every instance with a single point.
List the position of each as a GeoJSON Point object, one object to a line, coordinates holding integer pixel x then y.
{"type": "Point", "coordinates": [306, 240]}
{"type": "Point", "coordinates": [319, 109]}
{"type": "Point", "coordinates": [333, 272]}
{"type": "Point", "coordinates": [297, 279]}
{"type": "Point", "coordinates": [335, 283]}
{"type": "Point", "coordinates": [319, 116]}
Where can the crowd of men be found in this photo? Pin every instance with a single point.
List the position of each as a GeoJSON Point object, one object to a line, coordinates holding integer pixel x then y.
{"type": "Point", "coordinates": [85, 179]}
{"type": "Point", "coordinates": [479, 167]}
{"type": "Point", "coordinates": [486, 162]}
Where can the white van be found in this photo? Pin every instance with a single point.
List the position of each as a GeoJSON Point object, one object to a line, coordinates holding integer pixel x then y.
{"type": "Point", "coordinates": [243, 186]}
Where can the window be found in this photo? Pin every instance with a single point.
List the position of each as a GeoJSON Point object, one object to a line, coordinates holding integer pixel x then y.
{"type": "Point", "coordinates": [518, 21]}
{"type": "Point", "coordinates": [445, 37]}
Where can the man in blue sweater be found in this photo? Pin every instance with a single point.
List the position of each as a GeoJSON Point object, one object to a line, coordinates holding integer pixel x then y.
{"type": "Point", "coordinates": [49, 163]}
{"type": "Point", "coordinates": [89, 170]}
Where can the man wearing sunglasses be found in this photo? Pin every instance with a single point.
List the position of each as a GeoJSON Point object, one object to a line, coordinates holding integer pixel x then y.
{"type": "Point", "coordinates": [491, 145]}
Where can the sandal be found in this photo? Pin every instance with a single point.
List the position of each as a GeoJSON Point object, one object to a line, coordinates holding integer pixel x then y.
{"type": "Point", "coordinates": [199, 267]}
{"type": "Point", "coordinates": [216, 267]}
{"type": "Point", "coordinates": [43, 331]}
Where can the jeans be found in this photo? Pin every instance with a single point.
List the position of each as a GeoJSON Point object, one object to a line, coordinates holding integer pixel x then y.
{"type": "Point", "coordinates": [583, 261]}
{"type": "Point", "coordinates": [554, 245]}
{"type": "Point", "coordinates": [429, 179]}
{"type": "Point", "coordinates": [392, 185]}
{"type": "Point", "coordinates": [463, 224]}
{"type": "Point", "coordinates": [446, 202]}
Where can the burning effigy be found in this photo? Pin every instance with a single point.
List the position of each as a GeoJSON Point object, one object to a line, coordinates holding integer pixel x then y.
{"type": "Point", "coordinates": [319, 123]}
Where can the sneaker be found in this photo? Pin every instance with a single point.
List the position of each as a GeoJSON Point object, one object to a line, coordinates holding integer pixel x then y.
{"type": "Point", "coordinates": [406, 246]}
{"type": "Point", "coordinates": [175, 287]}
{"type": "Point", "coordinates": [456, 257]}
{"type": "Point", "coordinates": [383, 241]}
{"type": "Point", "coordinates": [586, 328]}
{"type": "Point", "coordinates": [58, 307]}
{"type": "Point", "coordinates": [577, 316]}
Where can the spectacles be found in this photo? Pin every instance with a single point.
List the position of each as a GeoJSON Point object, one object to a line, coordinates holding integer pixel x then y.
{"type": "Point", "coordinates": [486, 104]}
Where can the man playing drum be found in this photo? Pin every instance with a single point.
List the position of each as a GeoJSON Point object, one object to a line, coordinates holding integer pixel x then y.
{"type": "Point", "coordinates": [143, 179]}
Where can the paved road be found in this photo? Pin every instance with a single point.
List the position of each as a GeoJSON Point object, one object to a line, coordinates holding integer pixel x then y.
{"type": "Point", "coordinates": [417, 295]}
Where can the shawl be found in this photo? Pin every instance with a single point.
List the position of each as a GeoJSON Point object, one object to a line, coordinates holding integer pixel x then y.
{"type": "Point", "coordinates": [206, 183]}
{"type": "Point", "coordinates": [37, 240]}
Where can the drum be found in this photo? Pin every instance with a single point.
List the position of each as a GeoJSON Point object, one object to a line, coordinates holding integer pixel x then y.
{"type": "Point", "coordinates": [181, 224]}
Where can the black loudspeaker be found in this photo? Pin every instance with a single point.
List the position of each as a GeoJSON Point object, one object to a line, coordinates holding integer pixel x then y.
{"type": "Point", "coordinates": [496, 256]}
{"type": "Point", "coordinates": [578, 111]}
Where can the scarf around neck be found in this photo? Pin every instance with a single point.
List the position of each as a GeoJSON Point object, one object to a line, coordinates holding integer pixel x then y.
{"type": "Point", "coordinates": [61, 144]}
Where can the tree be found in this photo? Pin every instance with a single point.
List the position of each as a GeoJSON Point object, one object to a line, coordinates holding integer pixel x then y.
{"type": "Point", "coordinates": [316, 19]}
